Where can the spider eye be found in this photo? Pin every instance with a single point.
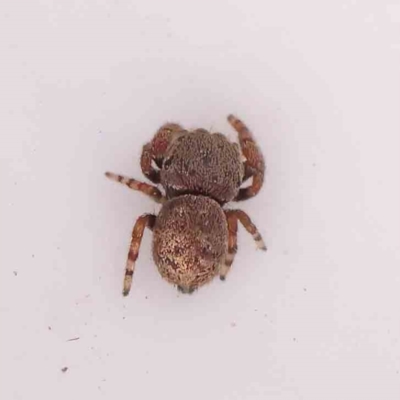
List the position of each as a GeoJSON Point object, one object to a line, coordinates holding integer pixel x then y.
{"type": "Point", "coordinates": [168, 162]}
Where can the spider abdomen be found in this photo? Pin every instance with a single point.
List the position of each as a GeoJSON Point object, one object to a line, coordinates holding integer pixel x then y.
{"type": "Point", "coordinates": [190, 240]}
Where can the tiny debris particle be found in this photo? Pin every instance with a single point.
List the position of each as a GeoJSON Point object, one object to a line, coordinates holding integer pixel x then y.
{"type": "Point", "coordinates": [305, 289]}
{"type": "Point", "coordinates": [73, 339]}
{"type": "Point", "coordinates": [15, 273]}
{"type": "Point", "coordinates": [33, 256]}
{"type": "Point", "coordinates": [233, 324]}
{"type": "Point", "coordinates": [294, 339]}
{"type": "Point", "coordinates": [65, 369]}
{"type": "Point", "coordinates": [49, 328]}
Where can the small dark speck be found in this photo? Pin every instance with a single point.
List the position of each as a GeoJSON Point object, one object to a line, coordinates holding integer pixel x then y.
{"type": "Point", "coordinates": [313, 164]}
{"type": "Point", "coordinates": [294, 339]}
{"type": "Point", "coordinates": [65, 369]}
{"type": "Point", "coordinates": [123, 317]}
{"type": "Point", "coordinates": [305, 289]}
{"type": "Point", "coordinates": [49, 328]}
{"type": "Point", "coordinates": [146, 297]}
{"type": "Point", "coordinates": [33, 256]}
{"type": "Point", "coordinates": [73, 339]}
{"type": "Point", "coordinates": [15, 273]}
{"type": "Point", "coordinates": [256, 309]}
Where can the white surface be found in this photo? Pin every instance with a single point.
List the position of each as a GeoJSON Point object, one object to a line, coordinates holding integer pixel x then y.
{"type": "Point", "coordinates": [84, 84]}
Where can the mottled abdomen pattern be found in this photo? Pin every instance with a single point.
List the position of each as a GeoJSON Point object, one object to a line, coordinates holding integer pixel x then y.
{"type": "Point", "coordinates": [190, 240]}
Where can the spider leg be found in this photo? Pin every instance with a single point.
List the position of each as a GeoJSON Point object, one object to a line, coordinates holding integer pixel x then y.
{"type": "Point", "coordinates": [143, 187]}
{"type": "Point", "coordinates": [254, 164]}
{"type": "Point", "coordinates": [232, 217]}
{"type": "Point", "coordinates": [232, 244]}
{"type": "Point", "coordinates": [157, 149]}
{"type": "Point", "coordinates": [137, 234]}
{"type": "Point", "coordinates": [250, 227]}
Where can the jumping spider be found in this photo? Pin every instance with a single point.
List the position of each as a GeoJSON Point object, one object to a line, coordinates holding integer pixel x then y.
{"type": "Point", "coordinates": [194, 237]}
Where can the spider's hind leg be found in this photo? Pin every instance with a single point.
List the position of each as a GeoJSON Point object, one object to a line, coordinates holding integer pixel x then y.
{"type": "Point", "coordinates": [232, 245]}
{"type": "Point", "coordinates": [137, 234]}
{"type": "Point", "coordinates": [232, 218]}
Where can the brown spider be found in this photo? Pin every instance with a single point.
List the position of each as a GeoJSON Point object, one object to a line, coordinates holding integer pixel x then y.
{"type": "Point", "coordinates": [194, 237]}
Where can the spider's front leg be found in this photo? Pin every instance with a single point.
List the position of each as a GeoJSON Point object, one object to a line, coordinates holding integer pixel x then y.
{"type": "Point", "coordinates": [254, 165]}
{"type": "Point", "coordinates": [156, 150]}
{"type": "Point", "coordinates": [134, 184]}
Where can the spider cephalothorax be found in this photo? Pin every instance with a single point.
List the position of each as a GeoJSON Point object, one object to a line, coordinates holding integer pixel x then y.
{"type": "Point", "coordinates": [194, 237]}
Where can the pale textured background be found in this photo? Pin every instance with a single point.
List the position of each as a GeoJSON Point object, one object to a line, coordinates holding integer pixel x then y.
{"type": "Point", "coordinates": [85, 83]}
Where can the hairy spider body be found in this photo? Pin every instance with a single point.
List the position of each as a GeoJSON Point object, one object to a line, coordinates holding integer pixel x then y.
{"type": "Point", "coordinates": [189, 242]}
{"type": "Point", "coordinates": [194, 238]}
{"type": "Point", "coordinates": [202, 163]}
